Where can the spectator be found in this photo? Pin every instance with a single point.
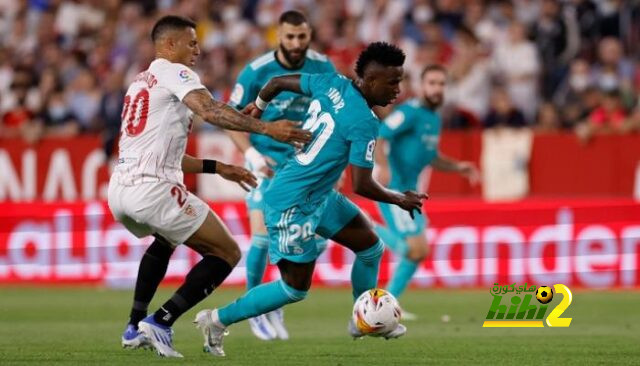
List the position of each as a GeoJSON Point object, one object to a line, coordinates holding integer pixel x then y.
{"type": "Point", "coordinates": [469, 84]}
{"type": "Point", "coordinates": [516, 64]}
{"type": "Point", "coordinates": [345, 50]}
{"type": "Point", "coordinates": [79, 45]}
{"type": "Point", "coordinates": [610, 115]}
{"type": "Point", "coordinates": [557, 38]}
{"type": "Point", "coordinates": [503, 113]}
{"type": "Point", "coordinates": [84, 97]}
{"type": "Point", "coordinates": [613, 71]}
{"type": "Point", "coordinates": [58, 120]}
{"type": "Point", "coordinates": [110, 111]}
{"type": "Point", "coordinates": [548, 118]}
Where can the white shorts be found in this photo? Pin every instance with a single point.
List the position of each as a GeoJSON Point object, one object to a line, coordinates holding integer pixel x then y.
{"type": "Point", "coordinates": [157, 208]}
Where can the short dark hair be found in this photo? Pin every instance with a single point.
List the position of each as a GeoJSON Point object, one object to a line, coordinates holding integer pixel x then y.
{"type": "Point", "coordinates": [170, 22]}
{"type": "Point", "coordinates": [382, 53]}
{"type": "Point", "coordinates": [292, 17]}
{"type": "Point", "coordinates": [432, 67]}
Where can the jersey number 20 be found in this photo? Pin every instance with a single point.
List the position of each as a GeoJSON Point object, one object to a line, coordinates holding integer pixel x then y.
{"type": "Point", "coordinates": [134, 115]}
{"type": "Point", "coordinates": [317, 120]}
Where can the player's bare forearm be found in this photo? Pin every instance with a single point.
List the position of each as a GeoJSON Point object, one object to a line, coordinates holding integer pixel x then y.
{"type": "Point", "coordinates": [219, 114]}
{"type": "Point", "coordinates": [466, 169]}
{"type": "Point", "coordinates": [379, 154]}
{"type": "Point", "coordinates": [191, 164]}
{"type": "Point", "coordinates": [365, 186]}
{"type": "Point", "coordinates": [240, 139]}
{"type": "Point", "coordinates": [445, 164]}
{"type": "Point", "coordinates": [279, 84]}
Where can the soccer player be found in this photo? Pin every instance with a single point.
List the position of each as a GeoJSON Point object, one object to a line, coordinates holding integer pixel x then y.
{"type": "Point", "coordinates": [146, 190]}
{"type": "Point", "coordinates": [412, 132]}
{"type": "Point", "coordinates": [262, 153]}
{"type": "Point", "coordinates": [300, 202]}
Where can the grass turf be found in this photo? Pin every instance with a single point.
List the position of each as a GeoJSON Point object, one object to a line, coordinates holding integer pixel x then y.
{"type": "Point", "coordinates": [82, 326]}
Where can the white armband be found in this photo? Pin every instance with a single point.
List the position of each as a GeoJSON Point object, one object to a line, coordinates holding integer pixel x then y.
{"type": "Point", "coordinates": [261, 104]}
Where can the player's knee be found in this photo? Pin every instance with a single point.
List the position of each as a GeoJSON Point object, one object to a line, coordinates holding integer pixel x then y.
{"type": "Point", "coordinates": [417, 253]}
{"type": "Point", "coordinates": [160, 249]}
{"type": "Point", "coordinates": [371, 254]}
{"type": "Point", "coordinates": [293, 294]}
{"type": "Point", "coordinates": [234, 255]}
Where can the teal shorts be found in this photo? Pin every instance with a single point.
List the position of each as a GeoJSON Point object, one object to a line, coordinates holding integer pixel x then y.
{"type": "Point", "coordinates": [298, 234]}
{"type": "Point", "coordinates": [400, 222]}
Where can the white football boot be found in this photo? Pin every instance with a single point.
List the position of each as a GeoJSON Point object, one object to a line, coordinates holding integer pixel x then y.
{"type": "Point", "coordinates": [132, 338]}
{"type": "Point", "coordinates": [212, 331]}
{"type": "Point", "coordinates": [261, 328]}
{"type": "Point", "coordinates": [159, 336]}
{"type": "Point", "coordinates": [276, 319]}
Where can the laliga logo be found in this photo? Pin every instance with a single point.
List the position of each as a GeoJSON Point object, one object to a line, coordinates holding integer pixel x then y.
{"type": "Point", "coordinates": [521, 312]}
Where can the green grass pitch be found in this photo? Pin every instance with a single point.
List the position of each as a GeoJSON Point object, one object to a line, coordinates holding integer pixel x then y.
{"type": "Point", "coordinates": [82, 326]}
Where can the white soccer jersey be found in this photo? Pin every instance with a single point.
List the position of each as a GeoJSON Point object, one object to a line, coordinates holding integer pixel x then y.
{"type": "Point", "coordinates": [155, 124]}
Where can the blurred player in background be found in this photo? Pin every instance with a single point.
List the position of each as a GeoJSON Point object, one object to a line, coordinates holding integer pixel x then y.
{"type": "Point", "coordinates": [301, 201]}
{"type": "Point", "coordinates": [412, 132]}
{"type": "Point", "coordinates": [146, 191]}
{"type": "Point", "coordinates": [263, 153]}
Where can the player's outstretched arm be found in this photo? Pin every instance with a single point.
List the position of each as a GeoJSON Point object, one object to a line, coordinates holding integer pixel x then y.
{"type": "Point", "coordinates": [257, 163]}
{"type": "Point", "coordinates": [465, 168]}
{"type": "Point", "coordinates": [233, 173]}
{"type": "Point", "coordinates": [217, 113]}
{"type": "Point", "coordinates": [366, 186]}
{"type": "Point", "coordinates": [279, 84]}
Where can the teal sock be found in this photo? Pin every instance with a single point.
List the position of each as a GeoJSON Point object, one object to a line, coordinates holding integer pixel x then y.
{"type": "Point", "coordinates": [395, 242]}
{"type": "Point", "coordinates": [257, 260]}
{"type": "Point", "coordinates": [402, 276]}
{"type": "Point", "coordinates": [260, 300]}
{"type": "Point", "coordinates": [364, 273]}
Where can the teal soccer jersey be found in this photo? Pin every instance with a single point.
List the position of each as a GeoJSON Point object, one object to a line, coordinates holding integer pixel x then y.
{"type": "Point", "coordinates": [413, 132]}
{"type": "Point", "coordinates": [300, 202]}
{"type": "Point", "coordinates": [287, 105]}
{"type": "Point", "coordinates": [344, 131]}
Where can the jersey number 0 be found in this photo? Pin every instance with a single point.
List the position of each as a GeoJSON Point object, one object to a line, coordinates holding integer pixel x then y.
{"type": "Point", "coordinates": [134, 115]}
{"type": "Point", "coordinates": [317, 120]}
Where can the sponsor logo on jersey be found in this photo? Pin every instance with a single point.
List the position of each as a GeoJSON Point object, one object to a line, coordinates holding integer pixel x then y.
{"type": "Point", "coordinates": [185, 76]}
{"type": "Point", "coordinates": [371, 146]}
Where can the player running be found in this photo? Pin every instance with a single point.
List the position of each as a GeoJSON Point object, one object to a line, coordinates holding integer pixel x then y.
{"type": "Point", "coordinates": [261, 152]}
{"type": "Point", "coordinates": [300, 202]}
{"type": "Point", "coordinates": [412, 132]}
{"type": "Point", "coordinates": [146, 190]}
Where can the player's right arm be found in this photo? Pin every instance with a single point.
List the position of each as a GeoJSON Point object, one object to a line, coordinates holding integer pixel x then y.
{"type": "Point", "coordinates": [245, 92]}
{"type": "Point", "coordinates": [362, 139]}
{"type": "Point", "coordinates": [365, 186]}
{"type": "Point", "coordinates": [278, 84]}
{"type": "Point", "coordinates": [219, 114]}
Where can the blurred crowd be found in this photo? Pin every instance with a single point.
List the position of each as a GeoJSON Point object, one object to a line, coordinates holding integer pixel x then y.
{"type": "Point", "coordinates": [545, 64]}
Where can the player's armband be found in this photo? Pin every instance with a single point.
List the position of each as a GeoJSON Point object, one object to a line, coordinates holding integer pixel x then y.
{"type": "Point", "coordinates": [261, 104]}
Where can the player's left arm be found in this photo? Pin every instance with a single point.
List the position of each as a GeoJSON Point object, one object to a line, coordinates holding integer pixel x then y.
{"type": "Point", "coordinates": [365, 186]}
{"type": "Point", "coordinates": [465, 168]}
{"type": "Point", "coordinates": [237, 174]}
{"type": "Point", "coordinates": [383, 173]}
